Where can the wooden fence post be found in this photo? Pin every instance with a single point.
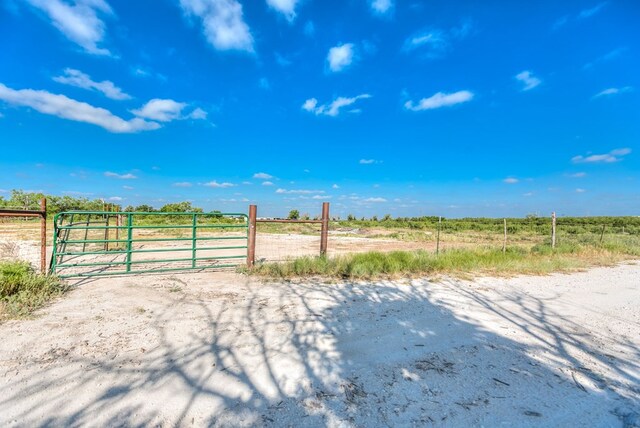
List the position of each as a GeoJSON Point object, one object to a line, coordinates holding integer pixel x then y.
{"type": "Point", "coordinates": [553, 229]}
{"type": "Point", "coordinates": [251, 240]}
{"type": "Point", "coordinates": [43, 236]}
{"type": "Point", "coordinates": [504, 243]}
{"type": "Point", "coordinates": [324, 233]}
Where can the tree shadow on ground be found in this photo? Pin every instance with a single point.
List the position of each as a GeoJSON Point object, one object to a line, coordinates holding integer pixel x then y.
{"type": "Point", "coordinates": [315, 354]}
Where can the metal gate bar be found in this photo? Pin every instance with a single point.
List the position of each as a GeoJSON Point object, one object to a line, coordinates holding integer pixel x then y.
{"type": "Point", "coordinates": [123, 250]}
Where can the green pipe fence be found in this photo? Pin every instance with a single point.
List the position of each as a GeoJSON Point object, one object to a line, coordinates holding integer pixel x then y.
{"type": "Point", "coordinates": [76, 253]}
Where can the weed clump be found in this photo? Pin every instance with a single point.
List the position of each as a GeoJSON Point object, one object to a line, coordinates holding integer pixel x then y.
{"type": "Point", "coordinates": [22, 290]}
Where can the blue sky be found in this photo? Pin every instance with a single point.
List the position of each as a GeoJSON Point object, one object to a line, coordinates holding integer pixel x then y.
{"type": "Point", "coordinates": [465, 108]}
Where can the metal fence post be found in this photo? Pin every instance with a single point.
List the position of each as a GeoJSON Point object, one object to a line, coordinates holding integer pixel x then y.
{"type": "Point", "coordinates": [438, 236]}
{"type": "Point", "coordinates": [129, 240]}
{"type": "Point", "coordinates": [324, 234]}
{"type": "Point", "coordinates": [193, 240]}
{"type": "Point", "coordinates": [251, 238]}
{"type": "Point", "coordinates": [43, 236]}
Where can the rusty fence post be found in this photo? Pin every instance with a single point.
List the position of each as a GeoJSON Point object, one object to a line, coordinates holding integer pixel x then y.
{"type": "Point", "coordinates": [43, 236]}
{"type": "Point", "coordinates": [251, 239]}
{"type": "Point", "coordinates": [324, 234]}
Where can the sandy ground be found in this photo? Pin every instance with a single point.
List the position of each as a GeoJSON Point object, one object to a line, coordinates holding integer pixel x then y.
{"type": "Point", "coordinates": [219, 349]}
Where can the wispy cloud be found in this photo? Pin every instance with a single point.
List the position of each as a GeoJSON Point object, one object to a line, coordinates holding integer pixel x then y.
{"type": "Point", "coordinates": [578, 175]}
{"type": "Point", "coordinates": [182, 184]}
{"type": "Point", "coordinates": [215, 184]}
{"type": "Point", "coordinates": [298, 191]}
{"type": "Point", "coordinates": [222, 23]}
{"type": "Point", "coordinates": [579, 190]}
{"type": "Point", "coordinates": [167, 110]}
{"type": "Point", "coordinates": [376, 199]}
{"type": "Point", "coordinates": [267, 183]}
{"type": "Point", "coordinates": [511, 180]}
{"type": "Point", "coordinates": [116, 198]}
{"type": "Point", "coordinates": [81, 80]}
{"type": "Point", "coordinates": [528, 80]}
{"type": "Point", "coordinates": [609, 56]}
{"type": "Point", "coordinates": [340, 57]}
{"type": "Point", "coordinates": [333, 109]}
{"type": "Point", "coordinates": [434, 41]}
{"type": "Point", "coordinates": [381, 7]}
{"type": "Point", "coordinates": [285, 7]}
{"type": "Point", "coordinates": [127, 176]}
{"type": "Point", "coordinates": [368, 161]}
{"type": "Point", "coordinates": [262, 176]}
{"type": "Point", "coordinates": [439, 100]}
{"type": "Point", "coordinates": [79, 22]}
{"type": "Point", "coordinates": [613, 156]}
{"type": "Point", "coordinates": [588, 13]}
{"type": "Point", "coordinates": [613, 91]}
{"type": "Point", "coordinates": [67, 108]}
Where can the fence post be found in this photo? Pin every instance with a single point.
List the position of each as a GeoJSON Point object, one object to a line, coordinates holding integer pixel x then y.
{"type": "Point", "coordinates": [324, 233]}
{"type": "Point", "coordinates": [438, 236]}
{"type": "Point", "coordinates": [553, 229]}
{"type": "Point", "coordinates": [129, 240]}
{"type": "Point", "coordinates": [43, 236]}
{"type": "Point", "coordinates": [251, 238]}
{"type": "Point", "coordinates": [602, 233]}
{"type": "Point", "coordinates": [106, 230]}
{"type": "Point", "coordinates": [504, 243]}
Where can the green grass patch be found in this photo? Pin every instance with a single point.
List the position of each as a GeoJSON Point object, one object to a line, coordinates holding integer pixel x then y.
{"type": "Point", "coordinates": [538, 260]}
{"type": "Point", "coordinates": [22, 290]}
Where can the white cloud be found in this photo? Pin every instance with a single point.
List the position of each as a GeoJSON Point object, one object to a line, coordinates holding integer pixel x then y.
{"type": "Point", "coordinates": [381, 7]}
{"type": "Point", "coordinates": [374, 200]}
{"type": "Point", "coordinates": [67, 108]}
{"type": "Point", "coordinates": [433, 40]}
{"type": "Point", "coordinates": [368, 161]}
{"type": "Point", "coordinates": [588, 13]}
{"type": "Point", "coordinates": [197, 114]}
{"type": "Point", "coordinates": [511, 180]}
{"type": "Point", "coordinates": [127, 187]}
{"type": "Point", "coordinates": [528, 79]}
{"type": "Point", "coordinates": [335, 186]}
{"type": "Point", "coordinates": [613, 156]}
{"type": "Point", "coordinates": [333, 109]}
{"type": "Point", "coordinates": [79, 22]}
{"type": "Point", "coordinates": [613, 91]}
{"type": "Point", "coordinates": [440, 99]}
{"type": "Point", "coordinates": [218, 185]}
{"type": "Point", "coordinates": [115, 198]}
{"type": "Point", "coordinates": [267, 183]}
{"type": "Point", "coordinates": [81, 80]}
{"type": "Point", "coordinates": [222, 22]}
{"type": "Point", "coordinates": [578, 175]}
{"type": "Point", "coordinates": [262, 176]}
{"type": "Point", "coordinates": [127, 176]}
{"type": "Point", "coordinates": [285, 7]}
{"type": "Point", "coordinates": [183, 184]}
{"type": "Point", "coordinates": [298, 191]}
{"type": "Point", "coordinates": [161, 110]}
{"type": "Point", "coordinates": [340, 57]}
{"type": "Point", "coordinates": [579, 190]}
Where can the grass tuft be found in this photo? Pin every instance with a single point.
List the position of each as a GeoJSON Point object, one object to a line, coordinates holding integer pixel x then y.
{"type": "Point", "coordinates": [539, 260]}
{"type": "Point", "coordinates": [22, 290]}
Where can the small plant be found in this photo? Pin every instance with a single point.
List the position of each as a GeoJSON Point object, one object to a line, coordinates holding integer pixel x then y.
{"type": "Point", "coordinates": [22, 290]}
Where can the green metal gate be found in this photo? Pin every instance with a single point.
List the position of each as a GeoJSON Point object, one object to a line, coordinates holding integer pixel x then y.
{"type": "Point", "coordinates": [100, 243]}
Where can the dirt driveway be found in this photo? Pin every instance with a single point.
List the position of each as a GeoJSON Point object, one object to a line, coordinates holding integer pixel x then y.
{"type": "Point", "coordinates": [220, 349]}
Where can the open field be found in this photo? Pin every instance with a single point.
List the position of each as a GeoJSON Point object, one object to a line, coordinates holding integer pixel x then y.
{"type": "Point", "coordinates": [222, 349]}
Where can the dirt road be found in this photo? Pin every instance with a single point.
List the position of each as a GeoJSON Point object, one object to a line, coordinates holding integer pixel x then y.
{"type": "Point", "coordinates": [220, 349]}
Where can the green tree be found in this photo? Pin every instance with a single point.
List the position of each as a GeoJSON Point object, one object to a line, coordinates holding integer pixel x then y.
{"type": "Point", "coordinates": [294, 215]}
